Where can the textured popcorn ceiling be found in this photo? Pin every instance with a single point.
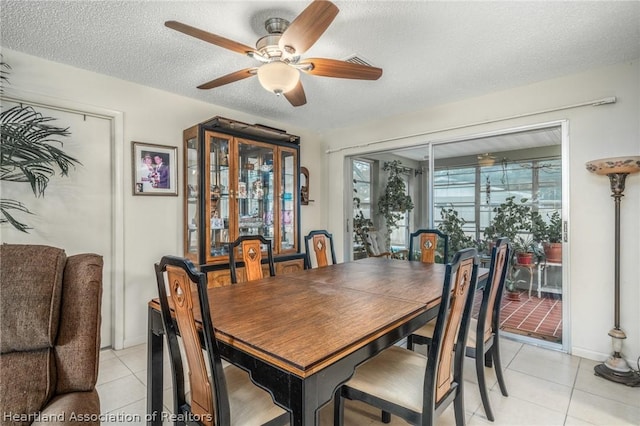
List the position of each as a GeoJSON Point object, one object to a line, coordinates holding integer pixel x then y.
{"type": "Point", "coordinates": [431, 52]}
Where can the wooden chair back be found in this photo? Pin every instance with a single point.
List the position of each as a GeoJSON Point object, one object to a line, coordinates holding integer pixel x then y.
{"type": "Point", "coordinates": [489, 315]}
{"type": "Point", "coordinates": [186, 290]}
{"type": "Point", "coordinates": [444, 367]}
{"type": "Point", "coordinates": [321, 242]}
{"type": "Point", "coordinates": [430, 242]}
{"type": "Point", "coordinates": [247, 251]}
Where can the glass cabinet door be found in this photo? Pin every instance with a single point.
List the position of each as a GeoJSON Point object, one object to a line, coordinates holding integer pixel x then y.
{"type": "Point", "coordinates": [191, 202]}
{"type": "Point", "coordinates": [288, 199]}
{"type": "Point", "coordinates": [255, 189]}
{"type": "Point", "coordinates": [218, 205]}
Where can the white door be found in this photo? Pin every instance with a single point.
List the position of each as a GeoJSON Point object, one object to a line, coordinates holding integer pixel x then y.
{"type": "Point", "coordinates": [76, 211]}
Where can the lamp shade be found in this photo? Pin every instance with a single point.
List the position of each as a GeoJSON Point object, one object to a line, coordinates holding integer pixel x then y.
{"type": "Point", "coordinates": [605, 166]}
{"type": "Point", "coordinates": [278, 77]}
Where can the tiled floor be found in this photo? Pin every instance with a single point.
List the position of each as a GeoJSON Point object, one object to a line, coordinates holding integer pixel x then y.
{"type": "Point", "coordinates": [545, 388]}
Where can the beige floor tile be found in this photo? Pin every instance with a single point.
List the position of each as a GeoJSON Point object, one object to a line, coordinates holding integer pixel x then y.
{"type": "Point", "coordinates": [602, 411]}
{"type": "Point", "coordinates": [572, 421]}
{"type": "Point", "coordinates": [106, 354]}
{"type": "Point", "coordinates": [538, 391]}
{"type": "Point", "coordinates": [514, 411]}
{"type": "Point", "coordinates": [508, 350]}
{"type": "Point", "coordinates": [131, 414]}
{"type": "Point", "coordinates": [120, 393]}
{"type": "Point", "coordinates": [111, 369]}
{"type": "Point", "coordinates": [546, 364]}
{"type": "Point", "coordinates": [589, 382]}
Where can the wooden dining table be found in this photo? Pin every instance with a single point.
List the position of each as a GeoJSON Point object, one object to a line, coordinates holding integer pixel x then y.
{"type": "Point", "coordinates": [302, 335]}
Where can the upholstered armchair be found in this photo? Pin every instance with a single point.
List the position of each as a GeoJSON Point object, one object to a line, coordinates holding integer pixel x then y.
{"type": "Point", "coordinates": [49, 335]}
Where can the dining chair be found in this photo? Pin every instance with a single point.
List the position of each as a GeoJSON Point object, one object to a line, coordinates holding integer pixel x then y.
{"type": "Point", "coordinates": [483, 342]}
{"type": "Point", "coordinates": [250, 249]}
{"type": "Point", "coordinates": [321, 239]}
{"type": "Point", "coordinates": [410, 385]}
{"type": "Point", "coordinates": [217, 395]}
{"type": "Point", "coordinates": [428, 244]}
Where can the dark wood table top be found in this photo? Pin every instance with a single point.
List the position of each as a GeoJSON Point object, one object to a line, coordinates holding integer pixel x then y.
{"type": "Point", "coordinates": [306, 321]}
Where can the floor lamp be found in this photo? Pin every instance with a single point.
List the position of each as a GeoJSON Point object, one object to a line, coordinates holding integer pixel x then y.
{"type": "Point", "coordinates": [616, 368]}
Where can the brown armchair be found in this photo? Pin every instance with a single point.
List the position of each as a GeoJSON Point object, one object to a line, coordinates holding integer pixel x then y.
{"type": "Point", "coordinates": [49, 335]}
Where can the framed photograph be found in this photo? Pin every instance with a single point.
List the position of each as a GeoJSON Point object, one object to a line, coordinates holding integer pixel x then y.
{"type": "Point", "coordinates": [155, 169]}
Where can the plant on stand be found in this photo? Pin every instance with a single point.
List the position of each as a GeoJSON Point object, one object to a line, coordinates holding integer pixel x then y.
{"type": "Point", "coordinates": [395, 201]}
{"type": "Point", "coordinates": [513, 220]}
{"type": "Point", "coordinates": [553, 242]}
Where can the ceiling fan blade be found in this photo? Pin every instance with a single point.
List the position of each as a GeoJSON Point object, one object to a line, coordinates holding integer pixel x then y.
{"type": "Point", "coordinates": [296, 96]}
{"type": "Point", "coordinates": [340, 69]}
{"type": "Point", "coordinates": [209, 37]}
{"type": "Point", "coordinates": [307, 28]}
{"type": "Point", "coordinates": [229, 78]}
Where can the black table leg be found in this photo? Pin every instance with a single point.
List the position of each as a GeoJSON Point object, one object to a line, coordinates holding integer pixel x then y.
{"type": "Point", "coordinates": [155, 341]}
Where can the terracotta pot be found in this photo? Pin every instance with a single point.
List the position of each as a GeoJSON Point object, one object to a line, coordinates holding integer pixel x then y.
{"type": "Point", "coordinates": [553, 252]}
{"type": "Point", "coordinates": [512, 295]}
{"type": "Point", "coordinates": [524, 258]}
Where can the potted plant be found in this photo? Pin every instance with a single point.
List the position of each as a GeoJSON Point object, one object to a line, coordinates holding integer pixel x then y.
{"type": "Point", "coordinates": [553, 242]}
{"type": "Point", "coordinates": [30, 154]}
{"type": "Point", "coordinates": [452, 225]}
{"type": "Point", "coordinates": [510, 220]}
{"type": "Point", "coordinates": [395, 201]}
{"type": "Point", "coordinates": [524, 249]}
{"type": "Point", "coordinates": [361, 225]}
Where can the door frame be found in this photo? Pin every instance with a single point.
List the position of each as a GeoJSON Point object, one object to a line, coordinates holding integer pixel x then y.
{"type": "Point", "coordinates": [117, 191]}
{"type": "Point", "coordinates": [429, 147]}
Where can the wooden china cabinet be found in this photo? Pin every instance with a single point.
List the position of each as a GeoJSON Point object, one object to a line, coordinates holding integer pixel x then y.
{"type": "Point", "coordinates": [240, 179]}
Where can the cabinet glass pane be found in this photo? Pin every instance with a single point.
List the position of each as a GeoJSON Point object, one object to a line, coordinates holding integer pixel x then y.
{"type": "Point", "coordinates": [255, 190]}
{"type": "Point", "coordinates": [192, 196]}
{"type": "Point", "coordinates": [287, 200]}
{"type": "Point", "coordinates": [219, 194]}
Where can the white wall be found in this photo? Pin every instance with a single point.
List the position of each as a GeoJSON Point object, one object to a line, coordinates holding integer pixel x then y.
{"type": "Point", "coordinates": [594, 132]}
{"type": "Point", "coordinates": [152, 225]}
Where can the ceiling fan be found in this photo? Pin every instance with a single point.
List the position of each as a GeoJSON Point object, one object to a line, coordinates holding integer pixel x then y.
{"type": "Point", "coordinates": [280, 50]}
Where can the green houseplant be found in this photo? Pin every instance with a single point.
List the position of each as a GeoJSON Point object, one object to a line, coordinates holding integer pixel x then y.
{"type": "Point", "coordinates": [510, 220]}
{"type": "Point", "coordinates": [29, 153]}
{"type": "Point", "coordinates": [552, 244]}
{"type": "Point", "coordinates": [452, 225]}
{"type": "Point", "coordinates": [513, 220]}
{"type": "Point", "coordinates": [394, 201]}
{"type": "Point", "coordinates": [361, 225]}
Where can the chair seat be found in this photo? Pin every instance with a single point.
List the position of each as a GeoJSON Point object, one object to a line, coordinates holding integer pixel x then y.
{"type": "Point", "coordinates": [427, 331]}
{"type": "Point", "coordinates": [389, 374]}
{"type": "Point", "coordinates": [249, 404]}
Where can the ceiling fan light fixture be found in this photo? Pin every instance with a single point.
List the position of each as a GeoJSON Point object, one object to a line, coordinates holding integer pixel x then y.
{"type": "Point", "coordinates": [278, 77]}
{"type": "Point", "coordinates": [486, 160]}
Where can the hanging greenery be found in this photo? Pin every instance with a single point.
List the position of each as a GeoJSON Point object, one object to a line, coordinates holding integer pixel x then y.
{"type": "Point", "coordinates": [28, 153]}
{"type": "Point", "coordinates": [395, 201]}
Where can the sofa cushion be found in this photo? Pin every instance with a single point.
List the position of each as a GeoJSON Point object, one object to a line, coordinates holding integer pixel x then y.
{"type": "Point", "coordinates": [27, 382]}
{"type": "Point", "coordinates": [31, 285]}
{"type": "Point", "coordinates": [78, 345]}
{"type": "Point", "coordinates": [73, 408]}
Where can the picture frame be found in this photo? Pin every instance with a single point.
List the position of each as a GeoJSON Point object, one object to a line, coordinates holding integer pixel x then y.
{"type": "Point", "coordinates": [155, 169]}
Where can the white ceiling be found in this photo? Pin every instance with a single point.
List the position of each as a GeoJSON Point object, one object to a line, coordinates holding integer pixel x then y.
{"type": "Point", "coordinates": [431, 52]}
